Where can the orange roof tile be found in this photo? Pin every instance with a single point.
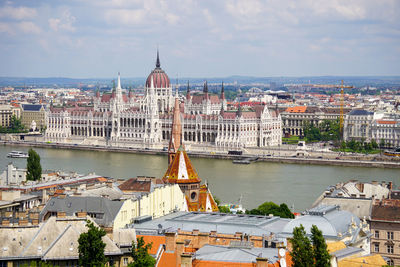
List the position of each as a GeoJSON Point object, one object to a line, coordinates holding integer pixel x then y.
{"type": "Point", "coordinates": [181, 170]}
{"type": "Point", "coordinates": [298, 109]}
{"type": "Point", "coordinates": [155, 239]}
{"type": "Point", "coordinates": [167, 260]}
{"type": "Point", "coordinates": [386, 122]}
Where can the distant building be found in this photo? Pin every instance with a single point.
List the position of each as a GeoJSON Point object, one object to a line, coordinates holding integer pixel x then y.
{"type": "Point", "coordinates": [33, 113]}
{"type": "Point", "coordinates": [385, 228]}
{"type": "Point", "coordinates": [12, 176]}
{"type": "Point", "coordinates": [293, 118]}
{"type": "Point", "coordinates": [6, 113]}
{"type": "Point", "coordinates": [354, 196]}
{"type": "Point", "coordinates": [125, 119]}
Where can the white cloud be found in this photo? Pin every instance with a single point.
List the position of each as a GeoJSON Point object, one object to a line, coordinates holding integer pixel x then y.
{"type": "Point", "coordinates": [28, 27]}
{"type": "Point", "coordinates": [65, 22]}
{"type": "Point", "coordinates": [6, 28]}
{"type": "Point", "coordinates": [18, 13]}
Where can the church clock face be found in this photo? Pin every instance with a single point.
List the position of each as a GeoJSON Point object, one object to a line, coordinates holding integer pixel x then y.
{"type": "Point", "coordinates": [193, 195]}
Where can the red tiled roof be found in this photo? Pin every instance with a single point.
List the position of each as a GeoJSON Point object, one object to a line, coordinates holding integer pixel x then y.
{"type": "Point", "coordinates": [135, 185]}
{"type": "Point", "coordinates": [386, 122]}
{"type": "Point", "coordinates": [298, 109]}
{"type": "Point", "coordinates": [155, 239]}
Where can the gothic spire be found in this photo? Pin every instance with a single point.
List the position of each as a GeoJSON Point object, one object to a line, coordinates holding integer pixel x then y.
{"type": "Point", "coordinates": [239, 111]}
{"type": "Point", "coordinates": [176, 134]}
{"type": "Point", "coordinates": [188, 91]}
{"type": "Point", "coordinates": [158, 65]}
{"type": "Point", "coordinates": [222, 92]}
{"type": "Point", "coordinates": [205, 88]}
{"type": "Point", "coordinates": [222, 109]}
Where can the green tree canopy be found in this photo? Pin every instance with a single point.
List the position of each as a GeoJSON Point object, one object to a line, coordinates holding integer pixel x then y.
{"type": "Point", "coordinates": [91, 247]}
{"type": "Point", "coordinates": [140, 254]}
{"type": "Point", "coordinates": [306, 253]}
{"type": "Point", "coordinates": [271, 208]}
{"type": "Point", "coordinates": [320, 249]}
{"type": "Point", "coordinates": [34, 169]}
{"type": "Point", "coordinates": [302, 253]}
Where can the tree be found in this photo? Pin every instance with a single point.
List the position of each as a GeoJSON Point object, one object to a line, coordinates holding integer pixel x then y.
{"type": "Point", "coordinates": [320, 249]}
{"type": "Point", "coordinates": [302, 252]}
{"type": "Point", "coordinates": [91, 246]}
{"type": "Point", "coordinates": [140, 254]}
{"type": "Point", "coordinates": [34, 169]}
{"type": "Point", "coordinates": [271, 208]}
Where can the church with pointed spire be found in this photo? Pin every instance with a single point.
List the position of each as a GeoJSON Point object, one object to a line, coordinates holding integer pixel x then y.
{"type": "Point", "coordinates": [122, 118]}
{"type": "Point", "coordinates": [181, 171]}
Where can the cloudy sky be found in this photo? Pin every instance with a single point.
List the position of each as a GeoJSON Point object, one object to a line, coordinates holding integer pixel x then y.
{"type": "Point", "coordinates": [98, 38]}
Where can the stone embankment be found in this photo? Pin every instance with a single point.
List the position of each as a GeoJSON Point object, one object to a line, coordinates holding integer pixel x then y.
{"type": "Point", "coordinates": [325, 159]}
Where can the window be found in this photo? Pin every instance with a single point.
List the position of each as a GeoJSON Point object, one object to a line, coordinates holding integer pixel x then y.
{"type": "Point", "coordinates": [376, 247]}
{"type": "Point", "coordinates": [125, 261]}
{"type": "Point", "coordinates": [376, 234]}
{"type": "Point", "coordinates": [390, 249]}
{"type": "Point", "coordinates": [390, 262]}
{"type": "Point", "coordinates": [389, 235]}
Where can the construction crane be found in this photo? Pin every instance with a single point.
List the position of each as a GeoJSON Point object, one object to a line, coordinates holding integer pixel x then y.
{"type": "Point", "coordinates": [341, 118]}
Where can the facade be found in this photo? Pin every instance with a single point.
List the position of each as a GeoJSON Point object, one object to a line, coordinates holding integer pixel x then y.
{"type": "Point", "coordinates": [387, 130]}
{"type": "Point", "coordinates": [33, 115]}
{"type": "Point", "coordinates": [116, 214]}
{"type": "Point", "coordinates": [293, 118]}
{"type": "Point", "coordinates": [385, 228]}
{"type": "Point", "coordinates": [12, 176]}
{"type": "Point", "coordinates": [124, 119]}
{"type": "Point", "coordinates": [354, 196]}
{"type": "Point", "coordinates": [357, 125]}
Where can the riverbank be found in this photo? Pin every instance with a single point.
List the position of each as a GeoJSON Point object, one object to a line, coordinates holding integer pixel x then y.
{"type": "Point", "coordinates": [260, 157]}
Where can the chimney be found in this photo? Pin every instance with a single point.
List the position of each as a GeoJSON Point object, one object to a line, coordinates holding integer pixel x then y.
{"type": "Point", "coordinates": [44, 196]}
{"type": "Point", "coordinates": [61, 214]}
{"type": "Point", "coordinates": [61, 196]}
{"type": "Point", "coordinates": [81, 214]}
{"type": "Point", "coordinates": [23, 222]}
{"type": "Point", "coordinates": [179, 251]}
{"type": "Point", "coordinates": [203, 239]}
{"type": "Point", "coordinates": [186, 260]}
{"type": "Point", "coordinates": [261, 262]}
{"type": "Point", "coordinates": [35, 222]}
{"type": "Point", "coordinates": [5, 222]}
{"type": "Point", "coordinates": [170, 239]}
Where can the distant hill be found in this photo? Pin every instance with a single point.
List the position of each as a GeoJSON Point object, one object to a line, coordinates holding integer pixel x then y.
{"type": "Point", "coordinates": [139, 81]}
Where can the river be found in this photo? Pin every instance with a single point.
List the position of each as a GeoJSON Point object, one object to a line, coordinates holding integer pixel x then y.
{"type": "Point", "coordinates": [294, 184]}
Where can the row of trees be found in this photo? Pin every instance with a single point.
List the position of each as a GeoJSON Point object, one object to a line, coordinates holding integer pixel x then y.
{"type": "Point", "coordinates": [15, 126]}
{"type": "Point", "coordinates": [265, 209]}
{"type": "Point", "coordinates": [309, 253]}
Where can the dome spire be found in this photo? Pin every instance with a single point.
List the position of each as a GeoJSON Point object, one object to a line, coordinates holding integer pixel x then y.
{"type": "Point", "coordinates": [158, 65]}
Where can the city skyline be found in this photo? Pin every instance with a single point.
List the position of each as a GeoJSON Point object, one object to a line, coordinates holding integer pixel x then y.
{"type": "Point", "coordinates": [199, 39]}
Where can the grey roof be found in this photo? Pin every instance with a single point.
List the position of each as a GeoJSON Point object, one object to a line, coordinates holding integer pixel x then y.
{"type": "Point", "coordinates": [329, 219]}
{"type": "Point", "coordinates": [360, 112]}
{"type": "Point", "coordinates": [229, 254]}
{"type": "Point", "coordinates": [343, 253]}
{"type": "Point", "coordinates": [31, 107]}
{"type": "Point", "coordinates": [71, 205]}
{"type": "Point", "coordinates": [55, 239]}
{"type": "Point", "coordinates": [220, 222]}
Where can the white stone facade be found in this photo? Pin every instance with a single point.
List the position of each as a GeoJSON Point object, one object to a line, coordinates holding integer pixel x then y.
{"type": "Point", "coordinates": [123, 120]}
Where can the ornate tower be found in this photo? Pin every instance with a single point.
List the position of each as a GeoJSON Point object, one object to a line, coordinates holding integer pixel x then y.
{"type": "Point", "coordinates": [176, 136]}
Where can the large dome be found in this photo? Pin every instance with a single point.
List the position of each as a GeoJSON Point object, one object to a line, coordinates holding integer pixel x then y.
{"type": "Point", "coordinates": [160, 78]}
